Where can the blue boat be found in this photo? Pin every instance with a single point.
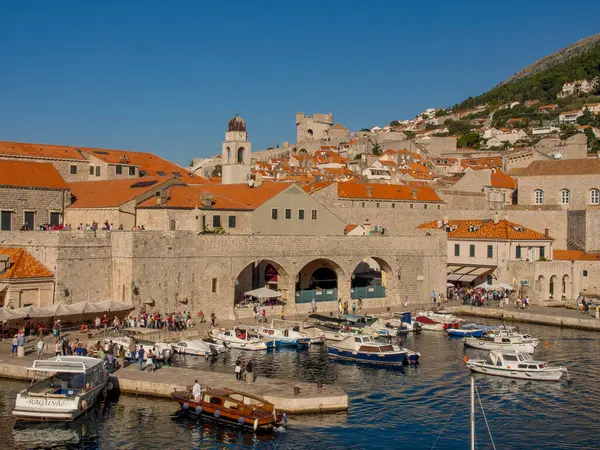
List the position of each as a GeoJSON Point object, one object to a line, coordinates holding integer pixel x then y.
{"type": "Point", "coordinates": [363, 349]}
{"type": "Point", "coordinates": [470, 329]}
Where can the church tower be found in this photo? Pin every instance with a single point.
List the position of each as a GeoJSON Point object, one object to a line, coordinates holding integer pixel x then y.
{"type": "Point", "coordinates": [236, 153]}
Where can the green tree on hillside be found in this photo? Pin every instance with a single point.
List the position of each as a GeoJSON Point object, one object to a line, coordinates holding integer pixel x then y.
{"type": "Point", "coordinates": [469, 140]}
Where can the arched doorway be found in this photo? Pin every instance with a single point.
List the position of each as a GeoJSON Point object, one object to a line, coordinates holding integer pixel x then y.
{"type": "Point", "coordinates": [228, 155]}
{"type": "Point", "coordinates": [553, 286]}
{"type": "Point", "coordinates": [566, 286]}
{"type": "Point", "coordinates": [240, 155]}
{"type": "Point", "coordinates": [318, 280]}
{"type": "Point", "coordinates": [369, 278]}
{"type": "Point", "coordinates": [541, 287]}
{"type": "Point", "coordinates": [258, 274]}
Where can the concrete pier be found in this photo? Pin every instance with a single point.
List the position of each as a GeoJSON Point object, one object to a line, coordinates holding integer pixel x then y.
{"type": "Point", "coordinates": [543, 317]}
{"type": "Point", "coordinates": [311, 398]}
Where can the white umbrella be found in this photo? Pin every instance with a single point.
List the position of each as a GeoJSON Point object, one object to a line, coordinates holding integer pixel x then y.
{"type": "Point", "coordinates": [83, 307]}
{"type": "Point", "coordinates": [111, 306]}
{"type": "Point", "coordinates": [5, 314]}
{"type": "Point", "coordinates": [263, 292]}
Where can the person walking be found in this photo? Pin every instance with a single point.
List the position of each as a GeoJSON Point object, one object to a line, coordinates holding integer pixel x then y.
{"type": "Point", "coordinates": [264, 315]}
{"type": "Point", "coordinates": [238, 369]}
{"type": "Point", "coordinates": [57, 348]}
{"type": "Point", "coordinates": [282, 312]}
{"type": "Point", "coordinates": [313, 305]}
{"type": "Point", "coordinates": [213, 318]}
{"type": "Point", "coordinates": [197, 391]}
{"type": "Point", "coordinates": [40, 348]}
{"type": "Point", "coordinates": [141, 352]}
{"type": "Point", "coordinates": [15, 346]}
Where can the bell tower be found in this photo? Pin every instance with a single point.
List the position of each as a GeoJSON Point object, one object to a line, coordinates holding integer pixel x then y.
{"type": "Point", "coordinates": [235, 153]}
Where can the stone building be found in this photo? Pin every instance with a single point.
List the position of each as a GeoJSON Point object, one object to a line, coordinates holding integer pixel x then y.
{"type": "Point", "coordinates": [574, 147]}
{"type": "Point", "coordinates": [312, 128]}
{"type": "Point", "coordinates": [571, 184]}
{"type": "Point", "coordinates": [31, 194]}
{"type": "Point", "coordinates": [24, 281]}
{"type": "Point", "coordinates": [479, 250]}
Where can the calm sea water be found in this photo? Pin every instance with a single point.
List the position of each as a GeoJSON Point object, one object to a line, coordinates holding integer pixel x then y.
{"type": "Point", "coordinates": [417, 408]}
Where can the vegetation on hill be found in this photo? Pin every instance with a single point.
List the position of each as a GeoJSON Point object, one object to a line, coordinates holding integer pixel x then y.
{"type": "Point", "coordinates": [544, 84]}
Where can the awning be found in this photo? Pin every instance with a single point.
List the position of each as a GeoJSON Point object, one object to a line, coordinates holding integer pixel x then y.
{"type": "Point", "coordinates": [465, 273]}
{"type": "Point", "coordinates": [264, 292]}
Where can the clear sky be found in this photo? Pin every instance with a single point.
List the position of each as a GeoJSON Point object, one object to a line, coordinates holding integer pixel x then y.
{"type": "Point", "coordinates": [166, 76]}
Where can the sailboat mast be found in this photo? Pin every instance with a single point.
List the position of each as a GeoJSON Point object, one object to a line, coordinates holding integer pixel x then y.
{"type": "Point", "coordinates": [472, 413]}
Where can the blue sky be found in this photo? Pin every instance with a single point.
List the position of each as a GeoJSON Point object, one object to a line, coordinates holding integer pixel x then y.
{"type": "Point", "coordinates": [166, 77]}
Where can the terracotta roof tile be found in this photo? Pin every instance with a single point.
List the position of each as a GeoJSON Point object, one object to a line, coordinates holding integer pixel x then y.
{"type": "Point", "coordinates": [30, 174]}
{"type": "Point", "coordinates": [387, 192]}
{"type": "Point", "coordinates": [316, 186]}
{"type": "Point", "coordinates": [23, 265]}
{"type": "Point", "coordinates": [500, 179]}
{"type": "Point", "coordinates": [225, 196]}
{"type": "Point", "coordinates": [111, 193]}
{"type": "Point", "coordinates": [575, 255]}
{"type": "Point", "coordinates": [588, 166]}
{"type": "Point", "coordinates": [487, 229]}
{"type": "Point", "coordinates": [29, 150]}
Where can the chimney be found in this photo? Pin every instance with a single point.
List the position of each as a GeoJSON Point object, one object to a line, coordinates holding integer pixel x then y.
{"type": "Point", "coordinates": [439, 224]}
{"type": "Point", "coordinates": [414, 193]}
{"type": "Point", "coordinates": [546, 232]}
{"type": "Point", "coordinates": [496, 219]}
{"type": "Point", "coordinates": [369, 191]}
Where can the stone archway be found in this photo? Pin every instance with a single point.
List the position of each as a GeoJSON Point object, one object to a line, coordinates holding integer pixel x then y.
{"type": "Point", "coordinates": [240, 155]}
{"type": "Point", "coordinates": [370, 278]}
{"type": "Point", "coordinates": [553, 288]}
{"type": "Point", "coordinates": [319, 279]}
{"type": "Point", "coordinates": [260, 273]}
{"type": "Point", "coordinates": [541, 287]}
{"type": "Point", "coordinates": [566, 287]}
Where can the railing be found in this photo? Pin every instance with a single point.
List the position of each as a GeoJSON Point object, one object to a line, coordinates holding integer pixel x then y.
{"type": "Point", "coordinates": [319, 295]}
{"type": "Point", "coordinates": [367, 292]}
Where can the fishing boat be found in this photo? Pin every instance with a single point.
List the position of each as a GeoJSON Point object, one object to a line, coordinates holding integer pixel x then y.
{"type": "Point", "coordinates": [470, 329]}
{"type": "Point", "coordinates": [490, 334]}
{"type": "Point", "coordinates": [514, 364]}
{"type": "Point", "coordinates": [363, 349]}
{"type": "Point", "coordinates": [236, 339]}
{"type": "Point", "coordinates": [225, 405]}
{"type": "Point", "coordinates": [74, 385]}
{"type": "Point", "coordinates": [198, 348]}
{"type": "Point", "coordinates": [431, 321]}
{"type": "Point", "coordinates": [316, 337]}
{"type": "Point", "coordinates": [500, 343]}
{"type": "Point", "coordinates": [287, 337]}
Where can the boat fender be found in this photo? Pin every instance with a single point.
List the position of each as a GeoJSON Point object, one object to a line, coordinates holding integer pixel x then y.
{"type": "Point", "coordinates": [241, 421]}
{"type": "Point", "coordinates": [185, 406]}
{"type": "Point", "coordinates": [199, 409]}
{"type": "Point", "coordinates": [217, 413]}
{"type": "Point", "coordinates": [284, 419]}
{"type": "Point", "coordinates": [84, 404]}
{"type": "Point", "coordinates": [255, 424]}
{"type": "Point", "coordinates": [274, 414]}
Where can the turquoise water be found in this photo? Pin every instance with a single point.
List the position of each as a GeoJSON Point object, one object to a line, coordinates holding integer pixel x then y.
{"type": "Point", "coordinates": [416, 408]}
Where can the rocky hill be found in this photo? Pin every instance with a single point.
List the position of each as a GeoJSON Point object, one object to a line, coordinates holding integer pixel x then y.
{"type": "Point", "coordinates": [543, 79]}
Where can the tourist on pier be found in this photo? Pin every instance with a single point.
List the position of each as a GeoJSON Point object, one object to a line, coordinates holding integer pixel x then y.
{"type": "Point", "coordinates": [282, 312]}
{"type": "Point", "coordinates": [586, 305]}
{"type": "Point", "coordinates": [264, 314]}
{"type": "Point", "coordinates": [97, 323]}
{"type": "Point", "coordinates": [40, 348]}
{"type": "Point", "coordinates": [197, 391]}
{"type": "Point", "coordinates": [201, 316]}
{"type": "Point", "coordinates": [121, 356]}
{"type": "Point", "coordinates": [313, 305]}
{"type": "Point", "coordinates": [15, 346]}
{"type": "Point", "coordinates": [360, 304]}
{"type": "Point", "coordinates": [248, 371]}
{"type": "Point", "coordinates": [353, 308]}
{"type": "Point", "coordinates": [238, 369]}
{"type": "Point", "coordinates": [141, 352]}
{"type": "Point", "coordinates": [57, 348]}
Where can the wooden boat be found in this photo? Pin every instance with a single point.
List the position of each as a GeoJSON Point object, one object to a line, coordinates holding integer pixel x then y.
{"type": "Point", "coordinates": [514, 364]}
{"type": "Point", "coordinates": [431, 321]}
{"type": "Point", "coordinates": [363, 349]}
{"type": "Point", "coordinates": [76, 382]}
{"type": "Point", "coordinates": [470, 329]}
{"type": "Point", "coordinates": [225, 405]}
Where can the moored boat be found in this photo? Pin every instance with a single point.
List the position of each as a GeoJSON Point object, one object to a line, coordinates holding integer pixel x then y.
{"type": "Point", "coordinates": [197, 348]}
{"type": "Point", "coordinates": [287, 337]}
{"type": "Point", "coordinates": [514, 364]}
{"type": "Point", "coordinates": [225, 405]}
{"type": "Point", "coordinates": [363, 349]}
{"type": "Point", "coordinates": [500, 343]}
{"type": "Point", "coordinates": [76, 382]}
{"type": "Point", "coordinates": [470, 329]}
{"type": "Point", "coordinates": [237, 340]}
{"type": "Point", "coordinates": [431, 321]}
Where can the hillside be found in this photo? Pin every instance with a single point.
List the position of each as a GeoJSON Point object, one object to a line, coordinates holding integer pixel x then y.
{"type": "Point", "coordinates": [543, 79]}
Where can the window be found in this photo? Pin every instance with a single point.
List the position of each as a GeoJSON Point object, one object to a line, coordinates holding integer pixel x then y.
{"type": "Point", "coordinates": [91, 170]}
{"type": "Point", "coordinates": [5, 220]}
{"type": "Point", "coordinates": [539, 197]}
{"type": "Point", "coordinates": [542, 252]}
{"type": "Point", "coordinates": [172, 224]}
{"type": "Point", "coordinates": [377, 205]}
{"type": "Point", "coordinates": [393, 205]}
{"type": "Point", "coordinates": [314, 214]}
{"type": "Point", "coordinates": [585, 273]}
{"type": "Point", "coordinates": [411, 206]}
{"type": "Point", "coordinates": [565, 197]}
{"type": "Point", "coordinates": [216, 221]}
{"type": "Point", "coordinates": [288, 213]}
{"type": "Point", "coordinates": [161, 173]}
{"type": "Point", "coordinates": [231, 221]}
{"type": "Point", "coordinates": [54, 219]}
{"type": "Point", "coordinates": [73, 170]}
{"type": "Point", "coordinates": [132, 170]}
{"type": "Point", "coordinates": [274, 214]}
{"type": "Point", "coordinates": [490, 251]}
{"type": "Point", "coordinates": [595, 197]}
{"type": "Point", "coordinates": [97, 171]}
{"type": "Point", "coordinates": [439, 206]}
{"type": "Point", "coordinates": [119, 170]}
{"type": "Point", "coordinates": [472, 251]}
{"type": "Point", "coordinates": [490, 280]}
{"type": "Point", "coordinates": [29, 220]}
{"type": "Point", "coordinates": [300, 214]}
{"type": "Point", "coordinates": [425, 206]}
{"type": "Point", "coordinates": [518, 252]}
{"type": "Point", "coordinates": [456, 249]}
{"type": "Point", "coordinates": [214, 285]}
{"type": "Point", "coordinates": [363, 204]}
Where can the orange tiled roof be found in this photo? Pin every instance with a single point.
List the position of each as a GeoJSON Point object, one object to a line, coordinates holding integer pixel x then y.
{"type": "Point", "coordinates": [111, 193]}
{"type": "Point", "coordinates": [587, 166]}
{"type": "Point", "coordinates": [350, 227]}
{"type": "Point", "coordinates": [225, 196]}
{"type": "Point", "coordinates": [23, 265]}
{"type": "Point", "coordinates": [354, 190]}
{"type": "Point", "coordinates": [29, 150]}
{"type": "Point", "coordinates": [503, 230]}
{"type": "Point", "coordinates": [500, 179]}
{"type": "Point", "coordinates": [316, 186]}
{"type": "Point", "coordinates": [574, 255]}
{"type": "Point", "coordinates": [30, 174]}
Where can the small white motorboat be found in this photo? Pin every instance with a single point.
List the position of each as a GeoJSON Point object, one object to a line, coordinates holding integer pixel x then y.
{"type": "Point", "coordinates": [500, 332]}
{"type": "Point", "coordinates": [197, 348]}
{"type": "Point", "coordinates": [74, 385]}
{"type": "Point", "coordinates": [231, 339]}
{"type": "Point", "coordinates": [514, 364]}
{"type": "Point", "coordinates": [431, 321]}
{"type": "Point", "coordinates": [500, 343]}
{"type": "Point", "coordinates": [363, 349]}
{"type": "Point", "coordinates": [286, 337]}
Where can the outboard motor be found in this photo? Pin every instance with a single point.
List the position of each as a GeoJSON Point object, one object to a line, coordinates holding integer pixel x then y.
{"type": "Point", "coordinates": [166, 354]}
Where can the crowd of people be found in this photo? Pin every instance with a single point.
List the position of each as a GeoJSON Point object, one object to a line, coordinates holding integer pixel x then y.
{"type": "Point", "coordinates": [478, 296]}
{"type": "Point", "coordinates": [94, 226]}
{"type": "Point", "coordinates": [47, 227]}
{"type": "Point", "coordinates": [177, 321]}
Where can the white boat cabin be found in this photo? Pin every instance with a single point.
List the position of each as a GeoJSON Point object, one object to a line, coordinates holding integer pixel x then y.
{"type": "Point", "coordinates": [514, 360]}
